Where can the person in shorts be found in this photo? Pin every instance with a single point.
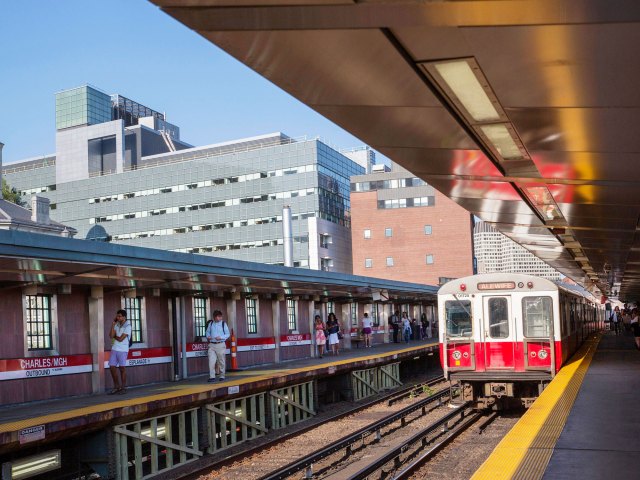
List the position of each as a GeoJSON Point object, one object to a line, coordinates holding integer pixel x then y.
{"type": "Point", "coordinates": [120, 334]}
{"type": "Point", "coordinates": [367, 329]}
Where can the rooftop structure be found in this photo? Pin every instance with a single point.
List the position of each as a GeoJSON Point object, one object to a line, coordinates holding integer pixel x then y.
{"type": "Point", "coordinates": [139, 184]}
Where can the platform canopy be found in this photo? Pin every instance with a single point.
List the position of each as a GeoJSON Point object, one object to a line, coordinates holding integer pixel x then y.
{"type": "Point", "coordinates": [524, 112]}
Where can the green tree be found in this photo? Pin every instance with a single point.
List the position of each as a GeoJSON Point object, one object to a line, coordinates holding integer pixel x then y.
{"type": "Point", "coordinates": [11, 194]}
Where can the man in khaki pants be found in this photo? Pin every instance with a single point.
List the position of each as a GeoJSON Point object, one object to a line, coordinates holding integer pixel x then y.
{"type": "Point", "coordinates": [217, 333]}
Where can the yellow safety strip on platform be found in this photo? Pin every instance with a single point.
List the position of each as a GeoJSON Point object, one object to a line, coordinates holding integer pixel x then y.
{"type": "Point", "coordinates": [526, 450]}
{"type": "Point", "coordinates": [170, 391]}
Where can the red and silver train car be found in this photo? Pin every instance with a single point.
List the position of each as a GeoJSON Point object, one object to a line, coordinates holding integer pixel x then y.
{"type": "Point", "coordinates": [503, 336]}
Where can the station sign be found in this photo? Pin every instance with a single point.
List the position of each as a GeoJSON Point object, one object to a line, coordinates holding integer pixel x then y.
{"type": "Point", "coordinates": [145, 356]}
{"type": "Point", "coordinates": [253, 344]}
{"type": "Point", "coordinates": [34, 367]}
{"type": "Point", "coordinates": [295, 340]}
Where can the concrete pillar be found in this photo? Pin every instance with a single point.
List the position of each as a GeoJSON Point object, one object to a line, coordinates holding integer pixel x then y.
{"type": "Point", "coordinates": [97, 329]}
{"type": "Point", "coordinates": [275, 319]}
{"type": "Point", "coordinates": [312, 312]}
{"type": "Point", "coordinates": [182, 337]}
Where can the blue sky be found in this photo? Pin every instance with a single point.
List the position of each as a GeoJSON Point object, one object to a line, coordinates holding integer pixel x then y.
{"type": "Point", "coordinates": [132, 48]}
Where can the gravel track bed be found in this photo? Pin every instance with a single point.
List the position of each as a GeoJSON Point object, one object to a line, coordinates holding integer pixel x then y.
{"type": "Point", "coordinates": [258, 465]}
{"type": "Point", "coordinates": [460, 459]}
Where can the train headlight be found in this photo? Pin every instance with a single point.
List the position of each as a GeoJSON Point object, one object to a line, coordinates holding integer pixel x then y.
{"type": "Point", "coordinates": [456, 355]}
{"type": "Point", "coordinates": [542, 354]}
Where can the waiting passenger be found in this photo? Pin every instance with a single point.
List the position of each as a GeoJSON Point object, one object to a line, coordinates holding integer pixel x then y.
{"type": "Point", "coordinates": [217, 333]}
{"type": "Point", "coordinates": [635, 326]}
{"type": "Point", "coordinates": [616, 320]}
{"type": "Point", "coordinates": [406, 327]}
{"type": "Point", "coordinates": [120, 334]}
{"type": "Point", "coordinates": [367, 328]}
{"type": "Point", "coordinates": [321, 339]}
{"type": "Point", "coordinates": [333, 327]}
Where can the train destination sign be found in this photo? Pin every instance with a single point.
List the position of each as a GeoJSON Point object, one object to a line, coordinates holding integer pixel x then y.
{"type": "Point", "coordinates": [496, 285]}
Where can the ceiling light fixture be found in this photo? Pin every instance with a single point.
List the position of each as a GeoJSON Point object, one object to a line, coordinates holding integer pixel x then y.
{"type": "Point", "coordinates": [467, 89]}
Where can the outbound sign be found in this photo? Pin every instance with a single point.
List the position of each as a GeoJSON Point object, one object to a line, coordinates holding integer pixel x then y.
{"type": "Point", "coordinates": [15, 368]}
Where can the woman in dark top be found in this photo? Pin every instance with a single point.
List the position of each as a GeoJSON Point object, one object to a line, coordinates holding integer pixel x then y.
{"type": "Point", "coordinates": [333, 327]}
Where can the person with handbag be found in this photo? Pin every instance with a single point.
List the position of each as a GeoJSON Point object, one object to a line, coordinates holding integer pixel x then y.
{"type": "Point", "coordinates": [333, 328]}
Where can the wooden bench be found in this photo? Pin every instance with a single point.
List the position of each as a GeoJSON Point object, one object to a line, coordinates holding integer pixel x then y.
{"type": "Point", "coordinates": [357, 341]}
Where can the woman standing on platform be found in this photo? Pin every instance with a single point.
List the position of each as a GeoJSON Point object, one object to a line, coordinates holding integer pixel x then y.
{"type": "Point", "coordinates": [333, 327]}
{"type": "Point", "coordinates": [367, 328]}
{"type": "Point", "coordinates": [635, 326]}
{"type": "Point", "coordinates": [321, 340]}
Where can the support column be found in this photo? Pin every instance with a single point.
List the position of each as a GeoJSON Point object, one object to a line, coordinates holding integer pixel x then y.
{"type": "Point", "coordinates": [182, 337]}
{"type": "Point", "coordinates": [312, 312]}
{"type": "Point", "coordinates": [275, 320]}
{"type": "Point", "coordinates": [96, 336]}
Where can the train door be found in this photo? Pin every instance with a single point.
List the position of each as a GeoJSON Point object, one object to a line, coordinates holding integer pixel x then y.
{"type": "Point", "coordinates": [499, 332]}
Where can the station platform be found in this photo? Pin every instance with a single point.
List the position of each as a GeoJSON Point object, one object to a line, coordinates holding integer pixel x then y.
{"type": "Point", "coordinates": [69, 416]}
{"type": "Point", "coordinates": [585, 424]}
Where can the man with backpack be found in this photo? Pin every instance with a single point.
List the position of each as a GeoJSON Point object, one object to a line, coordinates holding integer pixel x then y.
{"type": "Point", "coordinates": [217, 333]}
{"type": "Point", "coordinates": [616, 320]}
{"type": "Point", "coordinates": [121, 341]}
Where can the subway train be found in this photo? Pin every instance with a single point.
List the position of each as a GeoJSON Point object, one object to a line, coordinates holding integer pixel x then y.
{"type": "Point", "coordinates": [503, 337]}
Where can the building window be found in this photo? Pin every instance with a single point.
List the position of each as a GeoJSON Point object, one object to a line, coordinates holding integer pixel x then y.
{"type": "Point", "coordinates": [199, 316]}
{"type": "Point", "coordinates": [39, 322]}
{"type": "Point", "coordinates": [429, 259]}
{"type": "Point", "coordinates": [388, 232]}
{"type": "Point", "coordinates": [331, 307]}
{"type": "Point", "coordinates": [354, 314]}
{"type": "Point", "coordinates": [368, 263]}
{"type": "Point", "coordinates": [326, 264]}
{"type": "Point", "coordinates": [252, 315]}
{"type": "Point", "coordinates": [389, 261]}
{"type": "Point", "coordinates": [367, 233]}
{"type": "Point", "coordinates": [375, 313]}
{"type": "Point", "coordinates": [292, 321]}
{"type": "Point", "coordinates": [427, 229]}
{"type": "Point", "coordinates": [133, 307]}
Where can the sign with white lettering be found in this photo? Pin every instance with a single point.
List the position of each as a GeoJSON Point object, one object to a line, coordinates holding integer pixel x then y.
{"type": "Point", "coordinates": [253, 344]}
{"type": "Point", "coordinates": [145, 356]}
{"type": "Point", "coordinates": [297, 339]}
{"type": "Point", "coordinates": [31, 434]}
{"type": "Point", "coordinates": [14, 368]}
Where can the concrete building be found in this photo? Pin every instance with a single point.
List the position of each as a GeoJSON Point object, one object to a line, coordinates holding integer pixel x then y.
{"type": "Point", "coordinates": [497, 253]}
{"type": "Point", "coordinates": [16, 217]}
{"type": "Point", "coordinates": [121, 173]}
{"type": "Point", "coordinates": [403, 229]}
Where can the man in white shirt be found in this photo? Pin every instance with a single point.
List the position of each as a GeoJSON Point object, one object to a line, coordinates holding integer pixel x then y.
{"type": "Point", "coordinates": [120, 334]}
{"type": "Point", "coordinates": [217, 333]}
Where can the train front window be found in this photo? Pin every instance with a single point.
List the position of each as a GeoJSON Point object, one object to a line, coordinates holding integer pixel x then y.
{"type": "Point", "coordinates": [458, 318]}
{"type": "Point", "coordinates": [498, 317]}
{"type": "Point", "coordinates": [538, 314]}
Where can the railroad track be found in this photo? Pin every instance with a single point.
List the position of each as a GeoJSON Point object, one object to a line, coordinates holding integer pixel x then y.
{"type": "Point", "coordinates": [392, 397]}
{"type": "Point", "coordinates": [349, 442]}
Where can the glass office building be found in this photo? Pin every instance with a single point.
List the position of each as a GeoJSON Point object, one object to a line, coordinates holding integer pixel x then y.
{"type": "Point", "coordinates": [223, 199]}
{"type": "Point", "coordinates": [83, 105]}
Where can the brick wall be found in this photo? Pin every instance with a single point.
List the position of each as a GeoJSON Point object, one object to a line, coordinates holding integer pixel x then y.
{"type": "Point", "coordinates": [449, 242]}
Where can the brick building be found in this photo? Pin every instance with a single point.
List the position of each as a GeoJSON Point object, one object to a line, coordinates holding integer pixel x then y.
{"type": "Point", "coordinates": [403, 229]}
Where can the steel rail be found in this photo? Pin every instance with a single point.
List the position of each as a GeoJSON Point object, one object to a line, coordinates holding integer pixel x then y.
{"type": "Point", "coordinates": [416, 389]}
{"type": "Point", "coordinates": [228, 460]}
{"type": "Point", "coordinates": [350, 439]}
{"type": "Point", "coordinates": [451, 435]}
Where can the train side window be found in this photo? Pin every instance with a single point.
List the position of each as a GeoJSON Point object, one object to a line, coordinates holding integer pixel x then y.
{"type": "Point", "coordinates": [537, 316]}
{"type": "Point", "coordinates": [498, 317]}
{"type": "Point", "coordinates": [458, 318]}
